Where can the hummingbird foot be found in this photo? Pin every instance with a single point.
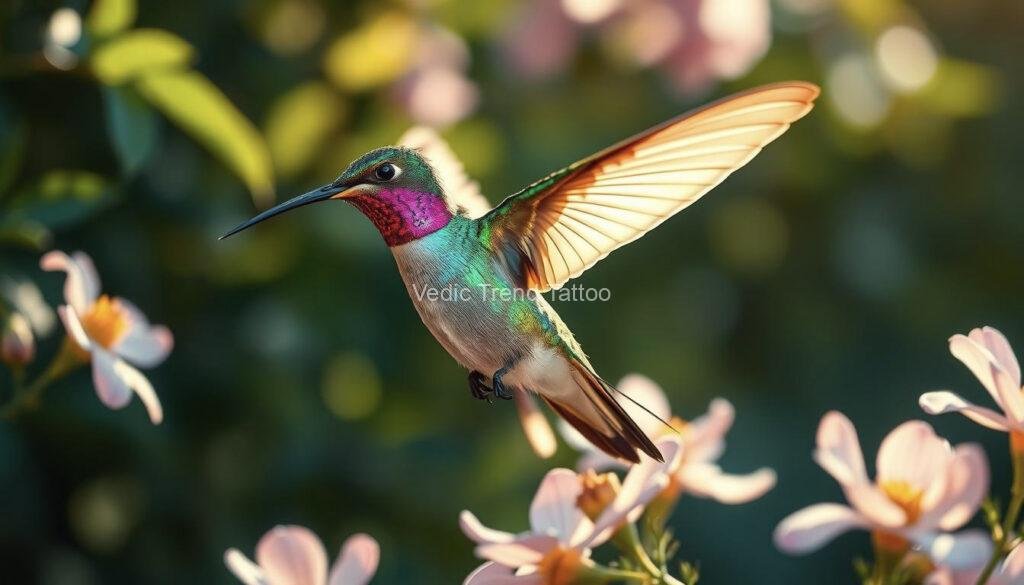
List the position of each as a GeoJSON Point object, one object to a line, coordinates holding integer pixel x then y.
{"type": "Point", "coordinates": [498, 387]}
{"type": "Point", "coordinates": [477, 388]}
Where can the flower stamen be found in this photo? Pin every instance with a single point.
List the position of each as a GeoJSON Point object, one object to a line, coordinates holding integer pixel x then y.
{"type": "Point", "coordinates": [106, 321]}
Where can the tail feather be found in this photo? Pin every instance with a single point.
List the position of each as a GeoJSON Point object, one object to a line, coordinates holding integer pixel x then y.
{"type": "Point", "coordinates": [625, 437]}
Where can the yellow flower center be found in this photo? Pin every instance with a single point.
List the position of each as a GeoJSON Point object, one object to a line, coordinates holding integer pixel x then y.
{"type": "Point", "coordinates": [561, 566]}
{"type": "Point", "coordinates": [597, 491]}
{"type": "Point", "coordinates": [906, 496]}
{"type": "Point", "coordinates": [106, 321]}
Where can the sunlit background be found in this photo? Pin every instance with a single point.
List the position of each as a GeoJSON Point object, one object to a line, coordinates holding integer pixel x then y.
{"type": "Point", "coordinates": [303, 388]}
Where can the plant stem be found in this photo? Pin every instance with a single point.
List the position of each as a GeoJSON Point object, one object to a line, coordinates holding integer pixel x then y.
{"type": "Point", "coordinates": [1012, 512]}
{"type": "Point", "coordinates": [627, 540]}
{"type": "Point", "coordinates": [28, 397]}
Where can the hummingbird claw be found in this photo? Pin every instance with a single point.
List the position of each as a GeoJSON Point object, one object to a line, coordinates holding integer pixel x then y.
{"type": "Point", "coordinates": [498, 387]}
{"type": "Point", "coordinates": [477, 388]}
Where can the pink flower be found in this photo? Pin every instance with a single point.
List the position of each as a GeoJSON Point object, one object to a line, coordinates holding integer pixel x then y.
{"type": "Point", "coordinates": [111, 332]}
{"type": "Point", "coordinates": [17, 344]}
{"type": "Point", "coordinates": [989, 356]}
{"type": "Point", "coordinates": [923, 488]}
{"type": "Point", "coordinates": [292, 555]}
{"type": "Point", "coordinates": [694, 42]}
{"type": "Point", "coordinates": [703, 443]}
{"type": "Point", "coordinates": [561, 533]}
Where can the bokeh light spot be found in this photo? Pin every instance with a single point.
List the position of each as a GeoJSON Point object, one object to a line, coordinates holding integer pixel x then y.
{"type": "Point", "coordinates": [750, 236]}
{"type": "Point", "coordinates": [906, 58]}
{"type": "Point", "coordinates": [103, 512]}
{"type": "Point", "coordinates": [351, 386]}
{"type": "Point", "coordinates": [856, 92]}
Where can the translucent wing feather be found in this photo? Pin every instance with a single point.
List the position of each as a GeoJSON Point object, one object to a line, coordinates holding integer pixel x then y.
{"type": "Point", "coordinates": [561, 225]}
{"type": "Point", "coordinates": [462, 192]}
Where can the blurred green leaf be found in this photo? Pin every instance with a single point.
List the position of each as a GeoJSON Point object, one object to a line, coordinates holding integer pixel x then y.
{"type": "Point", "coordinates": [299, 123]}
{"type": "Point", "coordinates": [108, 17]}
{"type": "Point", "coordinates": [59, 198]}
{"type": "Point", "coordinates": [137, 52]}
{"type": "Point", "coordinates": [191, 101]}
{"type": "Point", "coordinates": [132, 126]}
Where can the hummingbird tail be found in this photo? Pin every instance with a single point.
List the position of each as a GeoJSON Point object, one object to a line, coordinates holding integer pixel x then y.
{"type": "Point", "coordinates": [624, 438]}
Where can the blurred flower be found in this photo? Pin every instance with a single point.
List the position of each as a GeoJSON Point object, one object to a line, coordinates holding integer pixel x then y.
{"type": "Point", "coordinates": [435, 91]}
{"type": "Point", "coordinates": [989, 356]}
{"type": "Point", "coordinates": [694, 42]}
{"type": "Point", "coordinates": [292, 555]}
{"type": "Point", "coordinates": [923, 487]}
{"type": "Point", "coordinates": [28, 300]}
{"type": "Point", "coordinates": [17, 344]}
{"type": "Point", "coordinates": [703, 442]}
{"type": "Point", "coordinates": [424, 63]}
{"type": "Point", "coordinates": [556, 549]}
{"type": "Point", "coordinates": [63, 31]}
{"type": "Point", "coordinates": [1008, 572]}
{"type": "Point", "coordinates": [110, 331]}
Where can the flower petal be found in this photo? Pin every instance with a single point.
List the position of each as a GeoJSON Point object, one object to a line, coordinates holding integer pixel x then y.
{"type": "Point", "coordinates": [357, 562]}
{"type": "Point", "coordinates": [247, 571]}
{"type": "Point", "coordinates": [838, 450]}
{"type": "Point", "coordinates": [115, 379]}
{"type": "Point", "coordinates": [965, 550]}
{"type": "Point", "coordinates": [995, 342]}
{"type": "Point", "coordinates": [966, 486]}
{"type": "Point", "coordinates": [642, 484]}
{"type": "Point", "coordinates": [913, 453]}
{"type": "Point", "coordinates": [981, 362]}
{"type": "Point", "coordinates": [645, 398]}
{"type": "Point", "coordinates": [1012, 569]}
{"type": "Point", "coordinates": [941, 402]}
{"type": "Point", "coordinates": [811, 528]}
{"type": "Point", "coordinates": [706, 480]}
{"type": "Point", "coordinates": [480, 534]}
{"type": "Point", "coordinates": [81, 287]}
{"type": "Point", "coordinates": [705, 435]}
{"type": "Point", "coordinates": [525, 551]}
{"type": "Point", "coordinates": [113, 390]}
{"type": "Point", "coordinates": [553, 511]}
{"type": "Point", "coordinates": [494, 574]}
{"type": "Point", "coordinates": [535, 425]}
{"type": "Point", "coordinates": [874, 505]}
{"type": "Point", "coordinates": [69, 317]}
{"type": "Point", "coordinates": [90, 278]}
{"type": "Point", "coordinates": [292, 555]}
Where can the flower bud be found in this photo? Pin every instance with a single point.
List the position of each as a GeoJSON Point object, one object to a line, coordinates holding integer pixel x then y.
{"type": "Point", "coordinates": [17, 346]}
{"type": "Point", "coordinates": [597, 492]}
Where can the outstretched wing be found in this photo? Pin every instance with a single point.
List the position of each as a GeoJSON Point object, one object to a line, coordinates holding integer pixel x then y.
{"type": "Point", "coordinates": [558, 227]}
{"type": "Point", "coordinates": [462, 192]}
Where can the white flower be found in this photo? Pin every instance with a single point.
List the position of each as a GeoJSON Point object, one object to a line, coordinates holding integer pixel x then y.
{"type": "Point", "coordinates": [112, 332]}
{"type": "Point", "coordinates": [703, 443]}
{"type": "Point", "coordinates": [292, 555]}
{"type": "Point", "coordinates": [989, 356]}
{"type": "Point", "coordinates": [923, 488]}
{"type": "Point", "coordinates": [561, 534]}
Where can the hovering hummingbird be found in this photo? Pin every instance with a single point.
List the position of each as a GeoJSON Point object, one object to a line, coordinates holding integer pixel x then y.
{"type": "Point", "coordinates": [498, 325]}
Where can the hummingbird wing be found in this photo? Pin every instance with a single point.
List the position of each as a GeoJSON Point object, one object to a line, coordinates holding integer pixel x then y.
{"type": "Point", "coordinates": [553, 230]}
{"type": "Point", "coordinates": [462, 192]}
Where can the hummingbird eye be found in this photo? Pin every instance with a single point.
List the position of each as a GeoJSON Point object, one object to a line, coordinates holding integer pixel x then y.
{"type": "Point", "coordinates": [386, 172]}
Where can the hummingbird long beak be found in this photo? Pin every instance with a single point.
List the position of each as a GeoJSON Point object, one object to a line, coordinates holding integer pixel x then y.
{"type": "Point", "coordinates": [335, 190]}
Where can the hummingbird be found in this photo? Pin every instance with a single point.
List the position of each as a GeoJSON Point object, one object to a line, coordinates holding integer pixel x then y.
{"type": "Point", "coordinates": [495, 264]}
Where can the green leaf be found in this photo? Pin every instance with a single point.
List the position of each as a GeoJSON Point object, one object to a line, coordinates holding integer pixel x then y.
{"type": "Point", "coordinates": [138, 52]}
{"type": "Point", "coordinates": [132, 126]}
{"type": "Point", "coordinates": [108, 17]}
{"type": "Point", "coordinates": [60, 198]}
{"type": "Point", "coordinates": [298, 124]}
{"type": "Point", "coordinates": [192, 102]}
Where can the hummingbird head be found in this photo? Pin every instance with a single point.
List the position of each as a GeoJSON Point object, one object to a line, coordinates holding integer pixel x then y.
{"type": "Point", "coordinates": [394, 187]}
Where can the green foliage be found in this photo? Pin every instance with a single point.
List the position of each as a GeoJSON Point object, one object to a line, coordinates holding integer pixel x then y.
{"type": "Point", "coordinates": [132, 127]}
{"type": "Point", "coordinates": [194, 103]}
{"type": "Point", "coordinates": [139, 52]}
{"type": "Point", "coordinates": [109, 17]}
